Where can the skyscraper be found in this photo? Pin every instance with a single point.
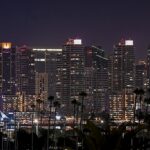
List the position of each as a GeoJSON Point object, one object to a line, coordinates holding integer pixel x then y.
{"type": "Point", "coordinates": [8, 76]}
{"type": "Point", "coordinates": [72, 72]}
{"type": "Point", "coordinates": [7, 67]}
{"type": "Point", "coordinates": [141, 75]}
{"type": "Point", "coordinates": [123, 78]}
{"type": "Point", "coordinates": [25, 77]}
{"type": "Point", "coordinates": [148, 67]}
{"type": "Point", "coordinates": [25, 70]}
{"type": "Point", "coordinates": [47, 61]}
{"type": "Point", "coordinates": [123, 66]}
{"type": "Point", "coordinates": [96, 79]}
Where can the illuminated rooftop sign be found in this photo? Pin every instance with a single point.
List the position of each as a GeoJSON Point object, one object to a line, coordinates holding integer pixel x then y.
{"type": "Point", "coordinates": [6, 45]}
{"type": "Point", "coordinates": [50, 50]}
{"type": "Point", "coordinates": [36, 59]}
{"type": "Point", "coordinates": [74, 42]}
{"type": "Point", "coordinates": [128, 42]}
{"type": "Point", "coordinates": [77, 41]}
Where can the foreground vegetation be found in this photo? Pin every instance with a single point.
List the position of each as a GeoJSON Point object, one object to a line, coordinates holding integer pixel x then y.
{"type": "Point", "coordinates": [91, 137]}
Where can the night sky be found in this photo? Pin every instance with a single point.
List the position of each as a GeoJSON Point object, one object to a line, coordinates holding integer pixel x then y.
{"type": "Point", "coordinates": [48, 23]}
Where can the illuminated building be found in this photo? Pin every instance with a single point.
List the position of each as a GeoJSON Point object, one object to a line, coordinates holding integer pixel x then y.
{"type": "Point", "coordinates": [148, 67]}
{"type": "Point", "coordinates": [42, 85]}
{"type": "Point", "coordinates": [7, 69]}
{"type": "Point", "coordinates": [121, 106]}
{"type": "Point", "coordinates": [96, 79]}
{"type": "Point", "coordinates": [72, 72]}
{"type": "Point", "coordinates": [25, 76]}
{"type": "Point", "coordinates": [123, 78]}
{"type": "Point", "coordinates": [140, 75]}
{"type": "Point", "coordinates": [7, 75]}
{"type": "Point", "coordinates": [116, 106]}
{"type": "Point", "coordinates": [110, 72]}
{"type": "Point", "coordinates": [123, 66]}
{"type": "Point", "coordinates": [47, 63]}
{"type": "Point", "coordinates": [10, 103]}
{"type": "Point", "coordinates": [17, 76]}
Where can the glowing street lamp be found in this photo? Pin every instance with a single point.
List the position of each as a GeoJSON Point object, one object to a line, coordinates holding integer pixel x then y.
{"type": "Point", "coordinates": [58, 117]}
{"type": "Point", "coordinates": [37, 126]}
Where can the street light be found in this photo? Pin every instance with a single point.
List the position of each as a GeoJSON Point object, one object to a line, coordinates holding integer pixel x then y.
{"type": "Point", "coordinates": [58, 117]}
{"type": "Point", "coordinates": [56, 106]}
{"type": "Point", "coordinates": [50, 99]}
{"type": "Point", "coordinates": [33, 107]}
{"type": "Point", "coordinates": [37, 126]}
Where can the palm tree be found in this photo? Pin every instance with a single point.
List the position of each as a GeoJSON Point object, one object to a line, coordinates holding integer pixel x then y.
{"type": "Point", "coordinates": [147, 102]}
{"type": "Point", "coordinates": [83, 95]}
{"type": "Point", "coordinates": [77, 110]}
{"type": "Point", "coordinates": [136, 92]}
{"type": "Point", "coordinates": [42, 112]}
{"type": "Point", "coordinates": [50, 99]}
{"type": "Point", "coordinates": [16, 145]}
{"type": "Point", "coordinates": [33, 107]}
{"type": "Point", "coordinates": [141, 93]}
{"type": "Point", "coordinates": [39, 102]}
{"type": "Point", "coordinates": [74, 102]}
{"type": "Point", "coordinates": [56, 104]}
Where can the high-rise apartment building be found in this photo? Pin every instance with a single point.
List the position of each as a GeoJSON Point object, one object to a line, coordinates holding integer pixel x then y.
{"type": "Point", "coordinates": [96, 79]}
{"type": "Point", "coordinates": [41, 85]}
{"type": "Point", "coordinates": [123, 77]}
{"type": "Point", "coordinates": [25, 78]}
{"type": "Point", "coordinates": [17, 76]}
{"type": "Point", "coordinates": [25, 71]}
{"type": "Point", "coordinates": [123, 66]}
{"type": "Point", "coordinates": [47, 62]}
{"type": "Point", "coordinates": [140, 75]}
{"type": "Point", "coordinates": [8, 76]}
{"type": "Point", "coordinates": [72, 72]}
{"type": "Point", "coordinates": [7, 69]}
{"type": "Point", "coordinates": [148, 67]}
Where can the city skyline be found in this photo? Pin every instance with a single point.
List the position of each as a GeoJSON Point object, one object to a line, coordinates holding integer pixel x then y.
{"type": "Point", "coordinates": [64, 73]}
{"type": "Point", "coordinates": [74, 74]}
{"type": "Point", "coordinates": [102, 23]}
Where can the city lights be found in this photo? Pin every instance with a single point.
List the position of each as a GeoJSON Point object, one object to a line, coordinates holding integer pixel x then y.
{"type": "Point", "coordinates": [6, 45]}
{"type": "Point", "coordinates": [77, 41]}
{"type": "Point", "coordinates": [129, 42]}
{"type": "Point", "coordinates": [50, 49]}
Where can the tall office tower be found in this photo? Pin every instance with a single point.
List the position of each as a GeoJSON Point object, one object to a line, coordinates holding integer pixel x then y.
{"type": "Point", "coordinates": [25, 77]}
{"type": "Point", "coordinates": [116, 103]}
{"type": "Point", "coordinates": [123, 66]}
{"type": "Point", "coordinates": [47, 61]}
{"type": "Point", "coordinates": [110, 73]}
{"type": "Point", "coordinates": [148, 67]}
{"type": "Point", "coordinates": [7, 66]}
{"type": "Point", "coordinates": [140, 75]}
{"type": "Point", "coordinates": [41, 85]}
{"type": "Point", "coordinates": [72, 72]}
{"type": "Point", "coordinates": [7, 75]}
{"type": "Point", "coordinates": [123, 76]}
{"type": "Point", "coordinates": [96, 79]}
